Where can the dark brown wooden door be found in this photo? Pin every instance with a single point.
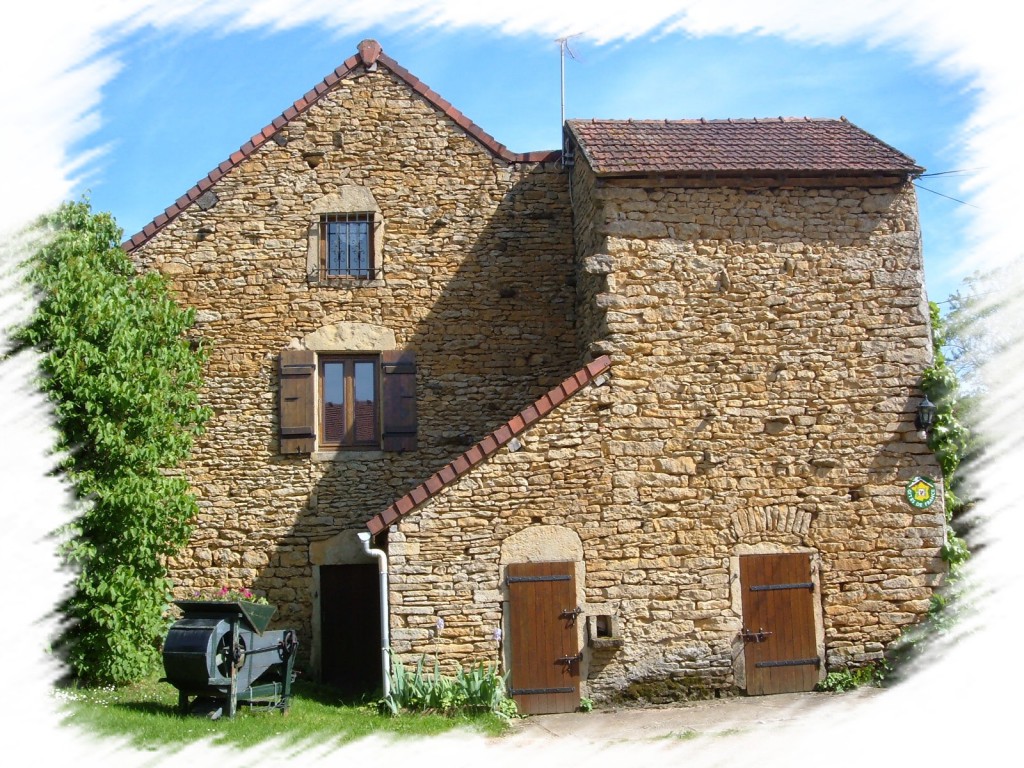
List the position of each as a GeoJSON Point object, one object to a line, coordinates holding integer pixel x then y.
{"type": "Point", "coordinates": [350, 641]}
{"type": "Point", "coordinates": [545, 670]}
{"type": "Point", "coordinates": [780, 653]}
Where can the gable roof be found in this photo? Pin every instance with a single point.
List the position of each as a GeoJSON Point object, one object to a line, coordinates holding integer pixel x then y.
{"type": "Point", "coordinates": [489, 446]}
{"type": "Point", "coordinates": [795, 146]}
{"type": "Point", "coordinates": [367, 58]}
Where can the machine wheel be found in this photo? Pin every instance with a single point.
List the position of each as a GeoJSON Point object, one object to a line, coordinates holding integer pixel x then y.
{"type": "Point", "coordinates": [224, 654]}
{"type": "Point", "coordinates": [288, 644]}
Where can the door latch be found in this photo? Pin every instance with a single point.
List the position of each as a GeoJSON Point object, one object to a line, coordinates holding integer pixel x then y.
{"type": "Point", "coordinates": [570, 614]}
{"type": "Point", "coordinates": [570, 659]}
{"type": "Point", "coordinates": [755, 637]}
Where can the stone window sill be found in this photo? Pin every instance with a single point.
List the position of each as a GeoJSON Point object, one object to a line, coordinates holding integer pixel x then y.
{"type": "Point", "coordinates": [325, 456]}
{"type": "Point", "coordinates": [345, 281]}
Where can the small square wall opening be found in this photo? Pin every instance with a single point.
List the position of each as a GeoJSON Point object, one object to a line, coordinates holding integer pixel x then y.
{"type": "Point", "coordinates": [603, 631]}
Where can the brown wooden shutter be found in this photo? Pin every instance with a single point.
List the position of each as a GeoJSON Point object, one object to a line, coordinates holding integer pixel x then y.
{"type": "Point", "coordinates": [398, 400]}
{"type": "Point", "coordinates": [298, 401]}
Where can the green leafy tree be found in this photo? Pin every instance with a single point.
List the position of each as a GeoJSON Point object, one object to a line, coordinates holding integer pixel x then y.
{"type": "Point", "coordinates": [970, 338]}
{"type": "Point", "coordinates": [124, 382]}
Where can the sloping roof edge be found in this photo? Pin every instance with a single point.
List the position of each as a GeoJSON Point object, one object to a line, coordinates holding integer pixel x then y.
{"type": "Point", "coordinates": [489, 446]}
{"type": "Point", "coordinates": [369, 53]}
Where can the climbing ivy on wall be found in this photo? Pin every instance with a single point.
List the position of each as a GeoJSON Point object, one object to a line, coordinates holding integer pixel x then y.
{"type": "Point", "coordinates": [951, 438]}
{"type": "Point", "coordinates": [123, 380]}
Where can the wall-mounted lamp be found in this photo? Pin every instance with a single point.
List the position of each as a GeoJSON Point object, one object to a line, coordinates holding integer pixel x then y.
{"type": "Point", "coordinates": [926, 414]}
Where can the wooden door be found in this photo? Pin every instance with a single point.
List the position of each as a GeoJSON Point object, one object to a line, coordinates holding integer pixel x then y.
{"type": "Point", "coordinates": [350, 640]}
{"type": "Point", "coordinates": [780, 651]}
{"type": "Point", "coordinates": [545, 661]}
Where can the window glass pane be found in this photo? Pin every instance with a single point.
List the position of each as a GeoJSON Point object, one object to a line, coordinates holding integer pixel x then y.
{"type": "Point", "coordinates": [361, 256]}
{"type": "Point", "coordinates": [365, 415]}
{"type": "Point", "coordinates": [334, 254]}
{"type": "Point", "coordinates": [348, 244]}
{"type": "Point", "coordinates": [334, 402]}
{"type": "Point", "coordinates": [342, 248]}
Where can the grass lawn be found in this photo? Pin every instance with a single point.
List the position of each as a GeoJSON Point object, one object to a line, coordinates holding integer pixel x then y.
{"type": "Point", "coordinates": [147, 715]}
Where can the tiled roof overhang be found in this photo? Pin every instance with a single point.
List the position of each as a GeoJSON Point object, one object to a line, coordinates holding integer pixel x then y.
{"type": "Point", "coordinates": [489, 446]}
{"type": "Point", "coordinates": [367, 58]}
{"type": "Point", "coordinates": [790, 147]}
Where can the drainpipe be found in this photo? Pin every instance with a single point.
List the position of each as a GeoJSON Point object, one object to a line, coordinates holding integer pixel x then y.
{"type": "Point", "coordinates": [385, 639]}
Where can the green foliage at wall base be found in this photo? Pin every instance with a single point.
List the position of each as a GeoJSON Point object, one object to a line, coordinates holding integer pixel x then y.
{"type": "Point", "coordinates": [477, 689]}
{"type": "Point", "coordinates": [123, 380]}
{"type": "Point", "coordinates": [839, 680]}
{"type": "Point", "coordinates": [950, 438]}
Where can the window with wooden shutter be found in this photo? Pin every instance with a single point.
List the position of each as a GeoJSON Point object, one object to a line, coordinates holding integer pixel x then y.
{"type": "Point", "coordinates": [297, 401]}
{"type": "Point", "coordinates": [362, 401]}
{"type": "Point", "coordinates": [349, 417]}
{"type": "Point", "coordinates": [398, 400]}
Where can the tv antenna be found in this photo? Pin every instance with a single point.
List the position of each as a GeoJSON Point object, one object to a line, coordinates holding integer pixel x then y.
{"type": "Point", "coordinates": [563, 48]}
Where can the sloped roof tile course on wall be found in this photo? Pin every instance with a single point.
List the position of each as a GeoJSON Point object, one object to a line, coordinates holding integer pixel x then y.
{"type": "Point", "coordinates": [490, 445]}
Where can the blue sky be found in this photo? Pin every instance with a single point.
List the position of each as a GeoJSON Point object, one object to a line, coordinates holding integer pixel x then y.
{"type": "Point", "coordinates": [181, 105]}
{"type": "Point", "coordinates": [136, 100]}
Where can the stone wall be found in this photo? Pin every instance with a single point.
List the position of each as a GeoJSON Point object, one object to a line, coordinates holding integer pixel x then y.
{"type": "Point", "coordinates": [477, 272]}
{"type": "Point", "coordinates": [766, 347]}
{"type": "Point", "coordinates": [446, 557]}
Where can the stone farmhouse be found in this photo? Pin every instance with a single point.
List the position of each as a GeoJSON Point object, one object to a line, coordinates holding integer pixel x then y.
{"type": "Point", "coordinates": [637, 412]}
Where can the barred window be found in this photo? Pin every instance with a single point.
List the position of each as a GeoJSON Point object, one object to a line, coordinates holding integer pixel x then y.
{"type": "Point", "coordinates": [346, 245]}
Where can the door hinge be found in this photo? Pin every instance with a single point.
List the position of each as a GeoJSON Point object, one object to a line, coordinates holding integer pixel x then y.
{"type": "Point", "coordinates": [773, 587]}
{"type": "Point", "coordinates": [531, 691]}
{"type": "Point", "coordinates": [790, 663]}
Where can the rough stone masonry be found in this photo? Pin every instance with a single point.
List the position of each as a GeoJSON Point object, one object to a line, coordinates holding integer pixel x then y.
{"type": "Point", "coordinates": [766, 335]}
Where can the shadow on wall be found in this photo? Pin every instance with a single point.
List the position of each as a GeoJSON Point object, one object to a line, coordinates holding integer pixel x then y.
{"type": "Point", "coordinates": [499, 334]}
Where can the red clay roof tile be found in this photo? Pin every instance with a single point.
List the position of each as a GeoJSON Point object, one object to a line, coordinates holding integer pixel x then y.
{"type": "Point", "coordinates": [489, 444]}
{"type": "Point", "coordinates": [798, 146]}
{"type": "Point", "coordinates": [529, 415]}
{"type": "Point", "coordinates": [475, 455]}
{"type": "Point", "coordinates": [369, 50]}
{"type": "Point", "coordinates": [484, 449]}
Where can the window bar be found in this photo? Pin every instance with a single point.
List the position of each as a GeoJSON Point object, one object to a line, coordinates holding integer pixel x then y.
{"type": "Point", "coordinates": [346, 243]}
